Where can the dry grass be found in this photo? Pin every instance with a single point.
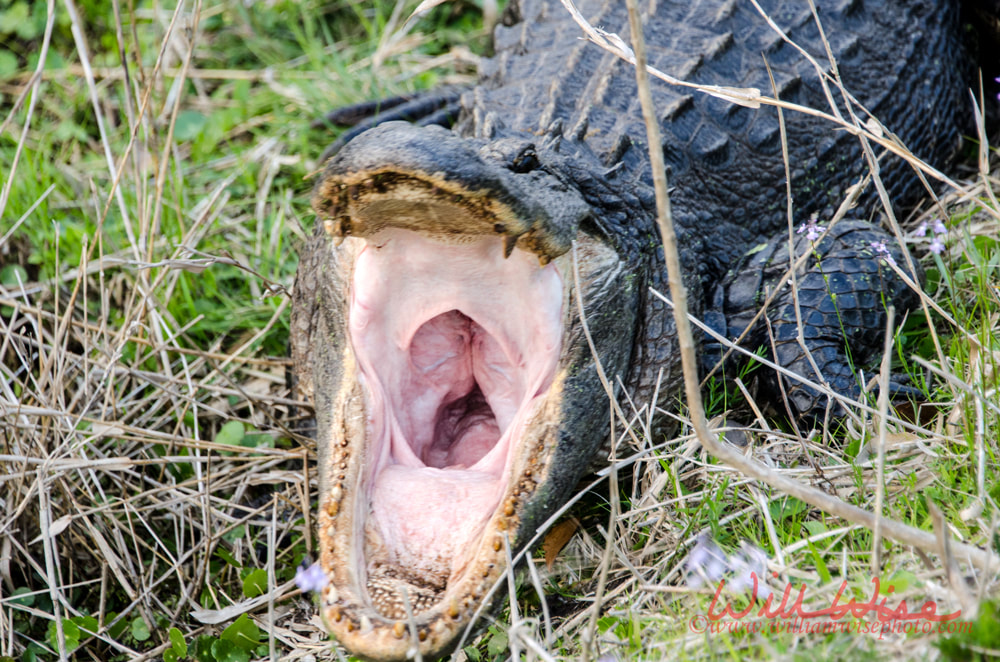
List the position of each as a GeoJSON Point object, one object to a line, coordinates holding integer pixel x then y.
{"type": "Point", "coordinates": [151, 453]}
{"type": "Point", "coordinates": [131, 497]}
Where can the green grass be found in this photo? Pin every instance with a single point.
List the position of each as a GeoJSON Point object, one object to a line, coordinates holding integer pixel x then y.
{"type": "Point", "coordinates": [186, 300]}
{"type": "Point", "coordinates": [223, 122]}
{"type": "Point", "coordinates": [151, 434]}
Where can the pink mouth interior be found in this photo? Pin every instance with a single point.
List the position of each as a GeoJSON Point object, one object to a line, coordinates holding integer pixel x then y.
{"type": "Point", "coordinates": [453, 355]}
{"type": "Point", "coordinates": [455, 344]}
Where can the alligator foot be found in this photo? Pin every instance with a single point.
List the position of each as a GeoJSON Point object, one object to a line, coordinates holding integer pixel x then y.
{"type": "Point", "coordinates": [844, 288]}
{"type": "Point", "coordinates": [438, 107]}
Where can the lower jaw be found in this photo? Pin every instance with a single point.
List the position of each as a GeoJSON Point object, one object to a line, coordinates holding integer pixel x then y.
{"type": "Point", "coordinates": [415, 609]}
{"type": "Point", "coordinates": [409, 561]}
{"type": "Point", "coordinates": [381, 602]}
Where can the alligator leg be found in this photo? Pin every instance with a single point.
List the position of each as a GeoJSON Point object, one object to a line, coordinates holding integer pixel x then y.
{"type": "Point", "coordinates": [844, 287]}
{"type": "Point", "coordinates": [434, 107]}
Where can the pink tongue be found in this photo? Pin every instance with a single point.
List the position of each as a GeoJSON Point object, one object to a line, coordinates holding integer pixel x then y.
{"type": "Point", "coordinates": [461, 502]}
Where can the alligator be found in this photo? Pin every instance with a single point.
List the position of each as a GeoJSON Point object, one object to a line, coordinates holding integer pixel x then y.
{"type": "Point", "coordinates": [437, 320]}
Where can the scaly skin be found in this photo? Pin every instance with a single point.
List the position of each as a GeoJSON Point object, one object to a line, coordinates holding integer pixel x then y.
{"type": "Point", "coordinates": [549, 153]}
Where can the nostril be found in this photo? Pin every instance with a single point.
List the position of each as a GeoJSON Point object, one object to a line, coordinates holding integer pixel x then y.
{"type": "Point", "coordinates": [526, 160]}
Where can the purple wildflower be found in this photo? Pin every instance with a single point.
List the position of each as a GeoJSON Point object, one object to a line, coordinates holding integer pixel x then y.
{"type": "Point", "coordinates": [882, 251]}
{"type": "Point", "coordinates": [742, 574]}
{"type": "Point", "coordinates": [707, 563]}
{"type": "Point", "coordinates": [749, 563]}
{"type": "Point", "coordinates": [716, 568]}
{"type": "Point", "coordinates": [937, 226]}
{"type": "Point", "coordinates": [756, 558]}
{"type": "Point", "coordinates": [312, 578]}
{"type": "Point", "coordinates": [811, 228]}
{"type": "Point", "coordinates": [743, 580]}
{"type": "Point", "coordinates": [700, 553]}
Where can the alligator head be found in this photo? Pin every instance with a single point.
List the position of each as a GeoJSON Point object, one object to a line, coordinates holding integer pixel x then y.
{"type": "Point", "coordinates": [457, 401]}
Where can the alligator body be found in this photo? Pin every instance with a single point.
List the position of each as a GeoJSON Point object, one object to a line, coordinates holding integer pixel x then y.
{"type": "Point", "coordinates": [436, 322]}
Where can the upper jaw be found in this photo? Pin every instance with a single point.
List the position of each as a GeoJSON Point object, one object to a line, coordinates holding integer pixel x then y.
{"type": "Point", "coordinates": [431, 181]}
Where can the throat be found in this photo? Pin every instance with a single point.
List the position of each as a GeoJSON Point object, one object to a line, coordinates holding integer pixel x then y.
{"type": "Point", "coordinates": [466, 430]}
{"type": "Point", "coordinates": [446, 405]}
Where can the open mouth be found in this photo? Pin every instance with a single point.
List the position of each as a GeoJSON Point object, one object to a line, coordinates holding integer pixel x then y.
{"type": "Point", "coordinates": [454, 343]}
{"type": "Point", "coordinates": [442, 347]}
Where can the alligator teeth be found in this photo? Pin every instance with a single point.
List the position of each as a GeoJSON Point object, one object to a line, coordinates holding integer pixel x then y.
{"type": "Point", "coordinates": [509, 242]}
{"type": "Point", "coordinates": [335, 228]}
